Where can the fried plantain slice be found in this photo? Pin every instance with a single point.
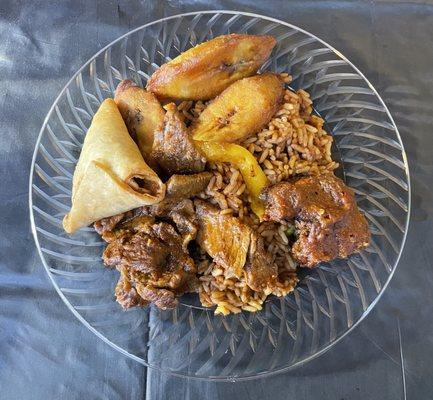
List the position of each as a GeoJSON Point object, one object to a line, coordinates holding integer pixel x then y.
{"type": "Point", "coordinates": [204, 71]}
{"type": "Point", "coordinates": [241, 110]}
{"type": "Point", "coordinates": [142, 113]}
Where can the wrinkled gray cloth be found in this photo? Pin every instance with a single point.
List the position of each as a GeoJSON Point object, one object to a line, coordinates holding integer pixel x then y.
{"type": "Point", "coordinates": [45, 353]}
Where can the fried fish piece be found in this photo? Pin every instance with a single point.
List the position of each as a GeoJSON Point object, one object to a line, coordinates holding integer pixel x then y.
{"type": "Point", "coordinates": [204, 71]}
{"type": "Point", "coordinates": [240, 110]}
{"type": "Point", "coordinates": [142, 113]}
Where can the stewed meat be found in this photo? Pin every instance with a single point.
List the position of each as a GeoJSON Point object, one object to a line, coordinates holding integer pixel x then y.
{"type": "Point", "coordinates": [328, 222]}
{"type": "Point", "coordinates": [107, 224]}
{"type": "Point", "coordinates": [235, 246]}
{"type": "Point", "coordinates": [162, 298]}
{"type": "Point", "coordinates": [126, 294]}
{"type": "Point", "coordinates": [152, 260]}
{"type": "Point", "coordinates": [182, 186]}
{"type": "Point", "coordinates": [148, 246]}
{"type": "Point", "coordinates": [173, 150]}
{"type": "Point", "coordinates": [260, 270]}
{"type": "Point", "coordinates": [180, 212]}
{"type": "Point", "coordinates": [225, 238]}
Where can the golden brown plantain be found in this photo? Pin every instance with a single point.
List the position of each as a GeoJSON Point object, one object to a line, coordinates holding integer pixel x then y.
{"type": "Point", "coordinates": [204, 71]}
{"type": "Point", "coordinates": [241, 110]}
{"type": "Point", "coordinates": [142, 113]}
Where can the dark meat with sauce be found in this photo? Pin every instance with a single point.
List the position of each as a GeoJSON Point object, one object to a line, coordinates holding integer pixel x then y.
{"type": "Point", "coordinates": [235, 246]}
{"type": "Point", "coordinates": [107, 224]}
{"type": "Point", "coordinates": [183, 215]}
{"type": "Point", "coordinates": [173, 150]}
{"type": "Point", "coordinates": [162, 298]}
{"type": "Point", "coordinates": [260, 270]}
{"type": "Point", "coordinates": [329, 224]}
{"type": "Point", "coordinates": [179, 212]}
{"type": "Point", "coordinates": [187, 185]}
{"type": "Point", "coordinates": [126, 294]}
{"type": "Point", "coordinates": [225, 238]}
{"type": "Point", "coordinates": [148, 246]}
{"type": "Point", "coordinates": [109, 227]}
{"type": "Point", "coordinates": [153, 261]}
{"type": "Point", "coordinates": [177, 208]}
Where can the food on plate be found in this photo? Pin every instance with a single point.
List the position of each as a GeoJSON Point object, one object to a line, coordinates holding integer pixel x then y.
{"type": "Point", "coordinates": [173, 149]}
{"type": "Point", "coordinates": [260, 270]}
{"type": "Point", "coordinates": [328, 222]}
{"type": "Point", "coordinates": [204, 71]}
{"type": "Point", "coordinates": [241, 110]}
{"type": "Point", "coordinates": [235, 246]}
{"type": "Point", "coordinates": [111, 176]}
{"type": "Point", "coordinates": [225, 238]}
{"type": "Point", "coordinates": [253, 175]}
{"type": "Point", "coordinates": [249, 195]}
{"type": "Point", "coordinates": [152, 261]}
{"type": "Point", "coordinates": [187, 185]}
{"type": "Point", "coordinates": [181, 214]}
{"type": "Point", "coordinates": [142, 113]}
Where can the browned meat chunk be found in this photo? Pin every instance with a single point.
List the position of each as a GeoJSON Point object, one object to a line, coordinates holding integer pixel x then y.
{"type": "Point", "coordinates": [236, 247]}
{"type": "Point", "coordinates": [162, 298]}
{"type": "Point", "coordinates": [107, 224]}
{"type": "Point", "coordinates": [327, 218]}
{"type": "Point", "coordinates": [148, 246]}
{"type": "Point", "coordinates": [260, 271]}
{"type": "Point", "coordinates": [140, 251]}
{"type": "Point", "coordinates": [183, 216]}
{"type": "Point", "coordinates": [181, 213]}
{"type": "Point", "coordinates": [187, 185]}
{"type": "Point", "coordinates": [173, 150]}
{"type": "Point", "coordinates": [225, 238]}
{"type": "Point", "coordinates": [153, 262]}
{"type": "Point", "coordinates": [126, 294]}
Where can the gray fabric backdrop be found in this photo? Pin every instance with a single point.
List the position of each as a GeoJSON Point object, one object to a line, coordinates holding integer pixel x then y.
{"type": "Point", "coordinates": [45, 353]}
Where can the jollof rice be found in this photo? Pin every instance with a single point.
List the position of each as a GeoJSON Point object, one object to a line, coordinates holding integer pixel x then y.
{"type": "Point", "coordinates": [292, 143]}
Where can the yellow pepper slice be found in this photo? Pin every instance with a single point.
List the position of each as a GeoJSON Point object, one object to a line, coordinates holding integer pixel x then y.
{"type": "Point", "coordinates": [254, 177]}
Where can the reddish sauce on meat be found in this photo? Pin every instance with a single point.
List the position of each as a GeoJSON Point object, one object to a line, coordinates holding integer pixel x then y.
{"type": "Point", "coordinates": [329, 224]}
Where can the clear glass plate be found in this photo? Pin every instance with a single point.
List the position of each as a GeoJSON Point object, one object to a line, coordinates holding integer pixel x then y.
{"type": "Point", "coordinates": [190, 341]}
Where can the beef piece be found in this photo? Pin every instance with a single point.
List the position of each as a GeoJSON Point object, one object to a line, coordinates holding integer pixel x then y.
{"type": "Point", "coordinates": [148, 246]}
{"type": "Point", "coordinates": [109, 228]}
{"type": "Point", "coordinates": [187, 185]}
{"type": "Point", "coordinates": [143, 252]}
{"type": "Point", "coordinates": [107, 224]}
{"type": "Point", "coordinates": [173, 150]}
{"type": "Point", "coordinates": [162, 298]}
{"type": "Point", "coordinates": [225, 238]}
{"type": "Point", "coordinates": [126, 294]}
{"type": "Point", "coordinates": [150, 256]}
{"type": "Point", "coordinates": [179, 212]}
{"type": "Point", "coordinates": [329, 224]}
{"type": "Point", "coordinates": [184, 217]}
{"type": "Point", "coordinates": [235, 246]}
{"type": "Point", "coordinates": [260, 270]}
{"type": "Point", "coordinates": [177, 280]}
{"type": "Point", "coordinates": [175, 207]}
